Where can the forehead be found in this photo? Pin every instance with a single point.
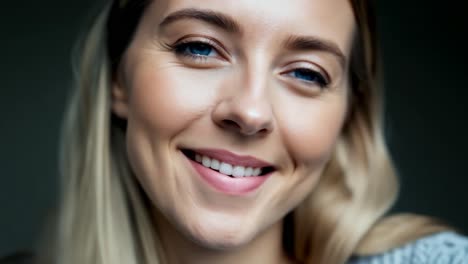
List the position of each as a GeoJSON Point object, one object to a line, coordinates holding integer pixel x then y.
{"type": "Point", "coordinates": [269, 19]}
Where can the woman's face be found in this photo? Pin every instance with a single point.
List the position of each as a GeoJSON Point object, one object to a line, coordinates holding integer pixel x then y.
{"type": "Point", "coordinates": [245, 87]}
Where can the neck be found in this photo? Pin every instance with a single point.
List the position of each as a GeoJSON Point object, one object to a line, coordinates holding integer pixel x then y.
{"type": "Point", "coordinates": [265, 248]}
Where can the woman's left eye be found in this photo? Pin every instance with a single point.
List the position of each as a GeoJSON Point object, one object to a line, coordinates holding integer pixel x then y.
{"type": "Point", "coordinates": [195, 49]}
{"type": "Point", "coordinates": [309, 76]}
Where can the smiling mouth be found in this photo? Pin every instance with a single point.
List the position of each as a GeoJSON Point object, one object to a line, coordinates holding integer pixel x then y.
{"type": "Point", "coordinates": [227, 168]}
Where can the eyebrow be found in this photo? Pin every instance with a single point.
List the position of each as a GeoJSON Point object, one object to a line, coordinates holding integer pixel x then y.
{"type": "Point", "coordinates": [214, 18]}
{"type": "Point", "coordinates": [229, 24]}
{"type": "Point", "coordinates": [304, 43]}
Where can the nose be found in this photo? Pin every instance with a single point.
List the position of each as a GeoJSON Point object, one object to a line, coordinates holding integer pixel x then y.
{"type": "Point", "coordinates": [246, 110]}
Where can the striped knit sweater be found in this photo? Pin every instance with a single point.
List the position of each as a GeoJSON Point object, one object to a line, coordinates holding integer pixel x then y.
{"type": "Point", "coordinates": [441, 248]}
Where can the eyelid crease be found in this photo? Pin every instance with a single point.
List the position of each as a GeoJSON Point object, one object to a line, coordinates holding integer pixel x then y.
{"type": "Point", "coordinates": [205, 40]}
{"type": "Point", "coordinates": [195, 60]}
{"type": "Point", "coordinates": [324, 81]}
{"type": "Point", "coordinates": [305, 43]}
{"type": "Point", "coordinates": [306, 65]}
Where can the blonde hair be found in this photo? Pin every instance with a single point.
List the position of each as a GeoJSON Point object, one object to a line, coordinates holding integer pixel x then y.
{"type": "Point", "coordinates": [104, 214]}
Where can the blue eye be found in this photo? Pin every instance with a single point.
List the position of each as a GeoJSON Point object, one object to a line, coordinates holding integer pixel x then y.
{"type": "Point", "coordinates": [194, 49]}
{"type": "Point", "coordinates": [308, 75]}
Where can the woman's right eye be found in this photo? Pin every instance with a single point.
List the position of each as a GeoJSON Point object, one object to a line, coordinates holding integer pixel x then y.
{"type": "Point", "coordinates": [196, 50]}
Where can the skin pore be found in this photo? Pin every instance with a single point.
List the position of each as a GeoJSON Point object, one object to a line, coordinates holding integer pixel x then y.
{"type": "Point", "coordinates": [267, 79]}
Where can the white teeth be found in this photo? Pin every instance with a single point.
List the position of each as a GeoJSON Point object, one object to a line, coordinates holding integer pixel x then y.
{"type": "Point", "coordinates": [238, 171]}
{"type": "Point", "coordinates": [248, 171]}
{"type": "Point", "coordinates": [215, 164]}
{"type": "Point", "coordinates": [225, 168]}
{"type": "Point", "coordinates": [206, 161]}
{"type": "Point", "coordinates": [257, 172]}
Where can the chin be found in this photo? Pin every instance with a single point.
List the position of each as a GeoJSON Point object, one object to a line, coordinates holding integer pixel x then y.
{"type": "Point", "coordinates": [219, 234]}
{"type": "Point", "coordinates": [219, 239]}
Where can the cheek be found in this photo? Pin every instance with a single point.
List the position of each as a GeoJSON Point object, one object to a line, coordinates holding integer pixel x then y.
{"type": "Point", "coordinates": [310, 128]}
{"type": "Point", "coordinates": [165, 100]}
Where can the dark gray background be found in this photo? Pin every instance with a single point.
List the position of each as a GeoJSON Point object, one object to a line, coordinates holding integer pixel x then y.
{"type": "Point", "coordinates": [426, 77]}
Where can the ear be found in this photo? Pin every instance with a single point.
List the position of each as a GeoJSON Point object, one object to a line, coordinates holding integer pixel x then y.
{"type": "Point", "coordinates": [120, 97]}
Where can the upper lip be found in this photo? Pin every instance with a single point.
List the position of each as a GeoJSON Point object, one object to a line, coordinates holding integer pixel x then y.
{"type": "Point", "coordinates": [233, 159]}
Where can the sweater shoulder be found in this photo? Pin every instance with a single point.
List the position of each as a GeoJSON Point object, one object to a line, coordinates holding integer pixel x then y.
{"type": "Point", "coordinates": [440, 248]}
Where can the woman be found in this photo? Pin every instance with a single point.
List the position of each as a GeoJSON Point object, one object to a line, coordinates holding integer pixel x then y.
{"type": "Point", "coordinates": [233, 132]}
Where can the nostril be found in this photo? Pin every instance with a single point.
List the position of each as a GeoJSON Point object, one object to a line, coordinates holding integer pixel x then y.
{"type": "Point", "coordinates": [245, 130]}
{"type": "Point", "coordinates": [230, 124]}
{"type": "Point", "coordinates": [263, 131]}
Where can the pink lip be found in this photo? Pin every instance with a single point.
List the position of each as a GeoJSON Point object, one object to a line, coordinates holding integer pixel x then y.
{"type": "Point", "coordinates": [226, 184]}
{"type": "Point", "coordinates": [233, 159]}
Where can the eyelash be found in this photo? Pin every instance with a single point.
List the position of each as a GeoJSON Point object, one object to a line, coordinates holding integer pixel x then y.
{"type": "Point", "coordinates": [317, 77]}
{"type": "Point", "coordinates": [181, 49]}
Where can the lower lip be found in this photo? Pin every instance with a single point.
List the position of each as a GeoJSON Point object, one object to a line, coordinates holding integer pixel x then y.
{"type": "Point", "coordinates": [227, 184]}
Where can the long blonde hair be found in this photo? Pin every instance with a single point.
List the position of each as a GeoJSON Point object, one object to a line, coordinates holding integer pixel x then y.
{"type": "Point", "coordinates": [104, 215]}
